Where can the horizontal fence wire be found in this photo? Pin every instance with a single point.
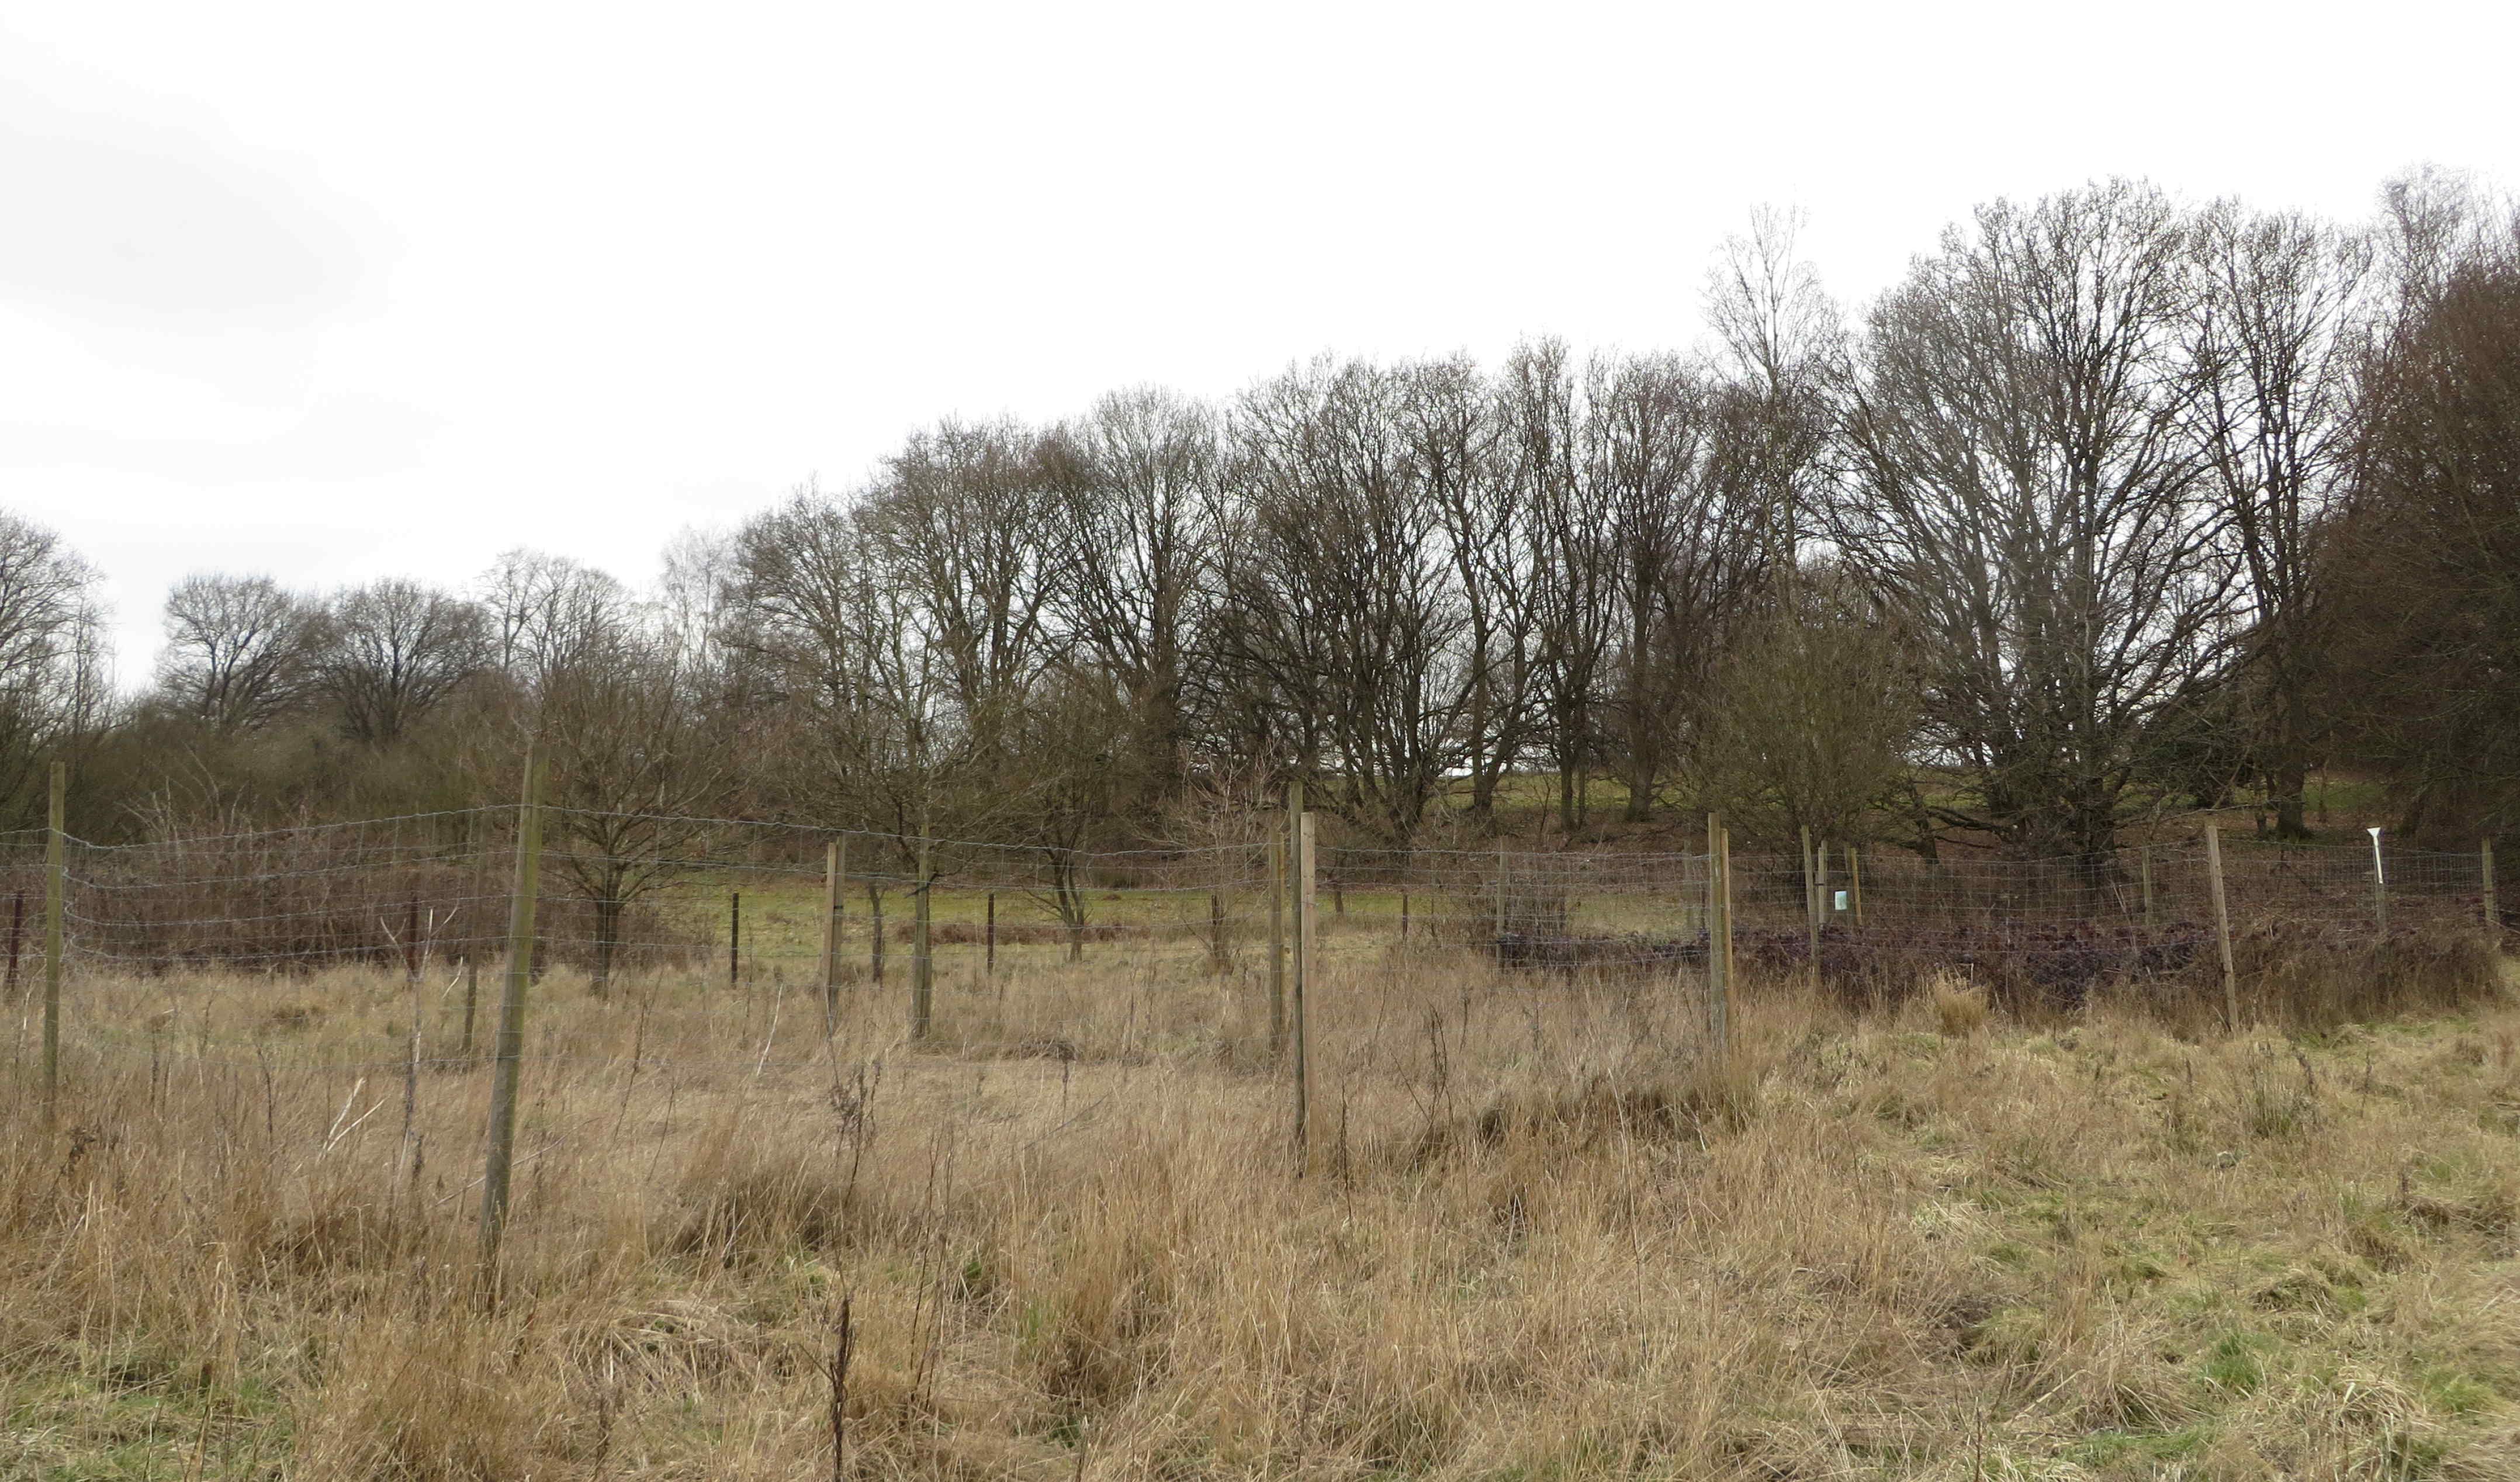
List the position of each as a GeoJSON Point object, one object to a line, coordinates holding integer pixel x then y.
{"type": "Point", "coordinates": [331, 934]}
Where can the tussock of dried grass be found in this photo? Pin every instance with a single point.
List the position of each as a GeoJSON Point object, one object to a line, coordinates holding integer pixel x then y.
{"type": "Point", "coordinates": [1544, 1234]}
{"type": "Point", "coordinates": [1960, 1006]}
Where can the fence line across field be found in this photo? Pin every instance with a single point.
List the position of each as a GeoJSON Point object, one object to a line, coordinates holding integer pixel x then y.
{"type": "Point", "coordinates": [520, 890]}
{"type": "Point", "coordinates": [751, 893]}
{"type": "Point", "coordinates": [372, 893]}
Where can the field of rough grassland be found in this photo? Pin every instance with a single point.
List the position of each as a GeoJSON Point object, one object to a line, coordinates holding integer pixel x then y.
{"type": "Point", "coordinates": [1543, 1236]}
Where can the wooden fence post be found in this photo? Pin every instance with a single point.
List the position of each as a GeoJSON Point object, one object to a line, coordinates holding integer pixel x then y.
{"type": "Point", "coordinates": [2379, 888]}
{"type": "Point", "coordinates": [501, 1158]}
{"type": "Point", "coordinates": [411, 1139]}
{"type": "Point", "coordinates": [989, 939]}
{"type": "Point", "coordinates": [1855, 884]}
{"type": "Point", "coordinates": [834, 867]}
{"type": "Point", "coordinates": [1732, 963]}
{"type": "Point", "coordinates": [875, 911]}
{"type": "Point", "coordinates": [1718, 935]}
{"type": "Point", "coordinates": [1404, 916]}
{"type": "Point", "coordinates": [1309, 928]}
{"type": "Point", "coordinates": [2223, 925]}
{"type": "Point", "coordinates": [923, 980]}
{"type": "Point", "coordinates": [2485, 861]}
{"type": "Point", "coordinates": [1276, 948]}
{"type": "Point", "coordinates": [1307, 921]}
{"type": "Point", "coordinates": [55, 886]}
{"type": "Point", "coordinates": [471, 934]}
{"type": "Point", "coordinates": [17, 935]}
{"type": "Point", "coordinates": [2143, 872]}
{"type": "Point", "coordinates": [733, 937]}
{"type": "Point", "coordinates": [1810, 904]}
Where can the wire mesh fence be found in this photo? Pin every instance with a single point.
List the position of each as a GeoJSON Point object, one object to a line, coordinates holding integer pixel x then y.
{"type": "Point", "coordinates": [2058, 928]}
{"type": "Point", "coordinates": [774, 964]}
{"type": "Point", "coordinates": [1019, 939]}
{"type": "Point", "coordinates": [313, 980]}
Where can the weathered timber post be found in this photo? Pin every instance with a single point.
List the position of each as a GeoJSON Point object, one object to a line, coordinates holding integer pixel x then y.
{"type": "Point", "coordinates": [874, 913]}
{"type": "Point", "coordinates": [922, 979]}
{"type": "Point", "coordinates": [1719, 934]}
{"type": "Point", "coordinates": [55, 885]}
{"type": "Point", "coordinates": [2379, 888]}
{"type": "Point", "coordinates": [1732, 963]}
{"type": "Point", "coordinates": [1822, 901]}
{"type": "Point", "coordinates": [1300, 825]}
{"type": "Point", "coordinates": [834, 866]}
{"type": "Point", "coordinates": [17, 935]}
{"type": "Point", "coordinates": [1276, 948]}
{"type": "Point", "coordinates": [507, 1060]}
{"type": "Point", "coordinates": [2485, 863]}
{"type": "Point", "coordinates": [2222, 926]}
{"type": "Point", "coordinates": [472, 935]}
{"type": "Point", "coordinates": [1810, 905]}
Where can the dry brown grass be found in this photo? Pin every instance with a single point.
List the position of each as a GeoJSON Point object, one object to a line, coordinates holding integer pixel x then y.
{"type": "Point", "coordinates": [1960, 1006]}
{"type": "Point", "coordinates": [1543, 1236]}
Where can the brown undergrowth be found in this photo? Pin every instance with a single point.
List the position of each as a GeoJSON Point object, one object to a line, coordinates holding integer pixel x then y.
{"type": "Point", "coordinates": [1542, 1234]}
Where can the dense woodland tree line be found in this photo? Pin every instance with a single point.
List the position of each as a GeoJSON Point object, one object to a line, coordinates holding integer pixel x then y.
{"type": "Point", "coordinates": [2113, 506]}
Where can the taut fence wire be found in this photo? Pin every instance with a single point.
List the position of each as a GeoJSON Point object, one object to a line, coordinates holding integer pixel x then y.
{"type": "Point", "coordinates": [748, 904]}
{"type": "Point", "coordinates": [443, 959]}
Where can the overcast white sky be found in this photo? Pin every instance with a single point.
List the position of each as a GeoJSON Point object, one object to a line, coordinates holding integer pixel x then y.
{"type": "Point", "coordinates": [332, 292]}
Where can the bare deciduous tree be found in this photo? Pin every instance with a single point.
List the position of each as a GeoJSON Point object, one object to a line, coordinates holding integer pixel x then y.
{"type": "Point", "coordinates": [53, 682]}
{"type": "Point", "coordinates": [2275, 334]}
{"type": "Point", "coordinates": [1786, 343]}
{"type": "Point", "coordinates": [880, 724]}
{"type": "Point", "coordinates": [1340, 617]}
{"type": "Point", "coordinates": [1686, 553]}
{"type": "Point", "coordinates": [393, 651]}
{"type": "Point", "coordinates": [1138, 495]}
{"type": "Point", "coordinates": [641, 748]}
{"type": "Point", "coordinates": [2031, 504]}
{"type": "Point", "coordinates": [1452, 423]}
{"type": "Point", "coordinates": [962, 528]}
{"type": "Point", "coordinates": [1814, 718]}
{"type": "Point", "coordinates": [240, 649]}
{"type": "Point", "coordinates": [2085, 464]}
{"type": "Point", "coordinates": [2423, 566]}
{"type": "Point", "coordinates": [550, 611]}
{"type": "Point", "coordinates": [1575, 561]}
{"type": "Point", "coordinates": [696, 591]}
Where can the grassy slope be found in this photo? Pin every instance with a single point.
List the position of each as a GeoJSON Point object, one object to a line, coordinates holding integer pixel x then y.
{"type": "Point", "coordinates": [1541, 1242]}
